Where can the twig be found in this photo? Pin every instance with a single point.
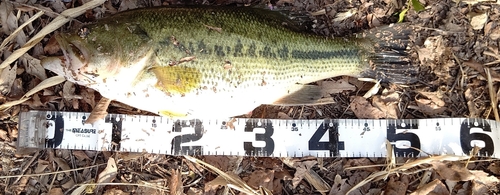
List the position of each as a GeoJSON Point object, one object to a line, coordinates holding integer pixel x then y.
{"type": "Point", "coordinates": [51, 173]}
{"type": "Point", "coordinates": [493, 95]}
{"type": "Point", "coordinates": [19, 29]}
{"type": "Point", "coordinates": [53, 180]}
{"type": "Point", "coordinates": [43, 9]}
{"type": "Point", "coordinates": [27, 166]}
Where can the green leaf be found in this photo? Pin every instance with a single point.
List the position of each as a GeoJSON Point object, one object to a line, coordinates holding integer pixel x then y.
{"type": "Point", "coordinates": [402, 15]}
{"type": "Point", "coordinates": [417, 6]}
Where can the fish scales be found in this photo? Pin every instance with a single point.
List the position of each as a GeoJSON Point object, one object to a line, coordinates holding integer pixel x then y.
{"type": "Point", "coordinates": [199, 62]}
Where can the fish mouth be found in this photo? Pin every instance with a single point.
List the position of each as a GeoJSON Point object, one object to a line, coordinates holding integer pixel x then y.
{"type": "Point", "coordinates": [75, 55]}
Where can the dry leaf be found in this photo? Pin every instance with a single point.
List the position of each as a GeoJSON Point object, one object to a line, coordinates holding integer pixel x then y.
{"type": "Point", "coordinates": [433, 54]}
{"type": "Point", "coordinates": [221, 162]}
{"type": "Point", "coordinates": [484, 178]}
{"type": "Point", "coordinates": [301, 168]}
{"type": "Point", "coordinates": [35, 102]}
{"type": "Point", "coordinates": [453, 172]}
{"type": "Point", "coordinates": [52, 47]}
{"type": "Point", "coordinates": [56, 191]}
{"type": "Point", "coordinates": [116, 191]}
{"type": "Point", "coordinates": [233, 181]}
{"type": "Point", "coordinates": [88, 96]}
{"type": "Point", "coordinates": [62, 163]}
{"type": "Point", "coordinates": [431, 104]}
{"type": "Point", "coordinates": [175, 183]}
{"type": "Point", "coordinates": [478, 20]}
{"type": "Point", "coordinates": [7, 78]}
{"type": "Point", "coordinates": [363, 109]}
{"type": "Point", "coordinates": [492, 32]}
{"type": "Point", "coordinates": [494, 168]}
{"type": "Point", "coordinates": [434, 187]}
{"type": "Point", "coordinates": [261, 178]}
{"type": "Point", "coordinates": [41, 166]}
{"type": "Point", "coordinates": [99, 112]}
{"type": "Point", "coordinates": [3, 135]}
{"type": "Point", "coordinates": [329, 87]}
{"type": "Point", "coordinates": [109, 173]}
{"type": "Point", "coordinates": [9, 23]}
{"type": "Point", "coordinates": [481, 69]}
{"type": "Point", "coordinates": [396, 186]}
{"type": "Point", "coordinates": [282, 115]}
{"type": "Point", "coordinates": [45, 84]}
{"type": "Point", "coordinates": [7, 105]}
{"type": "Point", "coordinates": [69, 184]}
{"type": "Point", "coordinates": [387, 103]}
{"type": "Point", "coordinates": [17, 89]}
{"type": "Point", "coordinates": [33, 66]}
{"type": "Point", "coordinates": [127, 4]}
{"type": "Point", "coordinates": [215, 183]}
{"type": "Point", "coordinates": [60, 20]}
{"type": "Point", "coordinates": [373, 90]}
{"type": "Point", "coordinates": [68, 91]}
{"type": "Point", "coordinates": [470, 2]}
{"type": "Point", "coordinates": [316, 181]}
{"type": "Point", "coordinates": [80, 155]}
{"type": "Point", "coordinates": [479, 188]}
{"type": "Point", "coordinates": [344, 15]}
{"type": "Point", "coordinates": [19, 29]}
{"type": "Point", "coordinates": [339, 186]}
{"type": "Point", "coordinates": [474, 112]}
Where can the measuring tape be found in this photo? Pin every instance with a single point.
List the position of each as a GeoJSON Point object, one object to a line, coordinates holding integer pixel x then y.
{"type": "Point", "coordinates": [258, 137]}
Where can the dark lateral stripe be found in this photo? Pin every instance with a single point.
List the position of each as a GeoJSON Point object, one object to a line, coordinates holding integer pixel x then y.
{"type": "Point", "coordinates": [283, 52]}
{"type": "Point", "coordinates": [314, 54]}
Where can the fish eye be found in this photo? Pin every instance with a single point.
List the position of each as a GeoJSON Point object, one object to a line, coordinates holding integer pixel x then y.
{"type": "Point", "coordinates": [83, 32]}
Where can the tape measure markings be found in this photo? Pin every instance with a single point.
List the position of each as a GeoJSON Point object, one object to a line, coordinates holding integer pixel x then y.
{"type": "Point", "coordinates": [258, 137]}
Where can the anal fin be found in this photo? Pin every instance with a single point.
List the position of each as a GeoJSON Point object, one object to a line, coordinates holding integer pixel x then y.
{"type": "Point", "coordinates": [304, 95]}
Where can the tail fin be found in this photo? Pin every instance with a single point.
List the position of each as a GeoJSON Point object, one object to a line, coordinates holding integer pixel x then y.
{"type": "Point", "coordinates": [389, 57]}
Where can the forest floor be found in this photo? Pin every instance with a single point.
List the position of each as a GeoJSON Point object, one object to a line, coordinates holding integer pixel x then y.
{"type": "Point", "coordinates": [456, 46]}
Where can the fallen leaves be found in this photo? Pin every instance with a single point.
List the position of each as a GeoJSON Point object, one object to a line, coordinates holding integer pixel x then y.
{"type": "Point", "coordinates": [329, 87]}
{"type": "Point", "coordinates": [453, 172]}
{"type": "Point", "coordinates": [363, 109]}
{"type": "Point", "coordinates": [33, 66]}
{"type": "Point", "coordinates": [478, 20]}
{"type": "Point", "coordinates": [7, 78]}
{"type": "Point", "coordinates": [44, 84]}
{"type": "Point", "coordinates": [434, 187]}
{"type": "Point", "coordinates": [262, 178]}
{"type": "Point", "coordinates": [430, 103]}
{"type": "Point", "coordinates": [99, 111]}
{"type": "Point", "coordinates": [387, 103]}
{"type": "Point", "coordinates": [229, 179]}
{"type": "Point", "coordinates": [432, 55]}
{"type": "Point", "coordinates": [109, 173]}
{"type": "Point", "coordinates": [60, 20]}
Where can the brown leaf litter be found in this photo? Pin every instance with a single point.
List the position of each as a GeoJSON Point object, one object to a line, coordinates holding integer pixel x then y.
{"type": "Point", "coordinates": [457, 48]}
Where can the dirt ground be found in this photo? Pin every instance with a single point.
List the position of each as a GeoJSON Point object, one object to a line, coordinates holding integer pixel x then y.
{"type": "Point", "coordinates": [456, 45]}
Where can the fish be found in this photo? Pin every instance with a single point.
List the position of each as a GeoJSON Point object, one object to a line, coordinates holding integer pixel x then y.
{"type": "Point", "coordinates": [199, 62]}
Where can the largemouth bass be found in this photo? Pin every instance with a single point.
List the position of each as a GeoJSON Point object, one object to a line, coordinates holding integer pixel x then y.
{"type": "Point", "coordinates": [221, 62]}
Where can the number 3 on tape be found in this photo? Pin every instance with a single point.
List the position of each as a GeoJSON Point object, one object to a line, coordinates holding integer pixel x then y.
{"type": "Point", "coordinates": [268, 128]}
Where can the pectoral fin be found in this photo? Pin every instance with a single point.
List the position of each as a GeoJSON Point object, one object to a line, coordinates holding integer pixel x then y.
{"type": "Point", "coordinates": [304, 95]}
